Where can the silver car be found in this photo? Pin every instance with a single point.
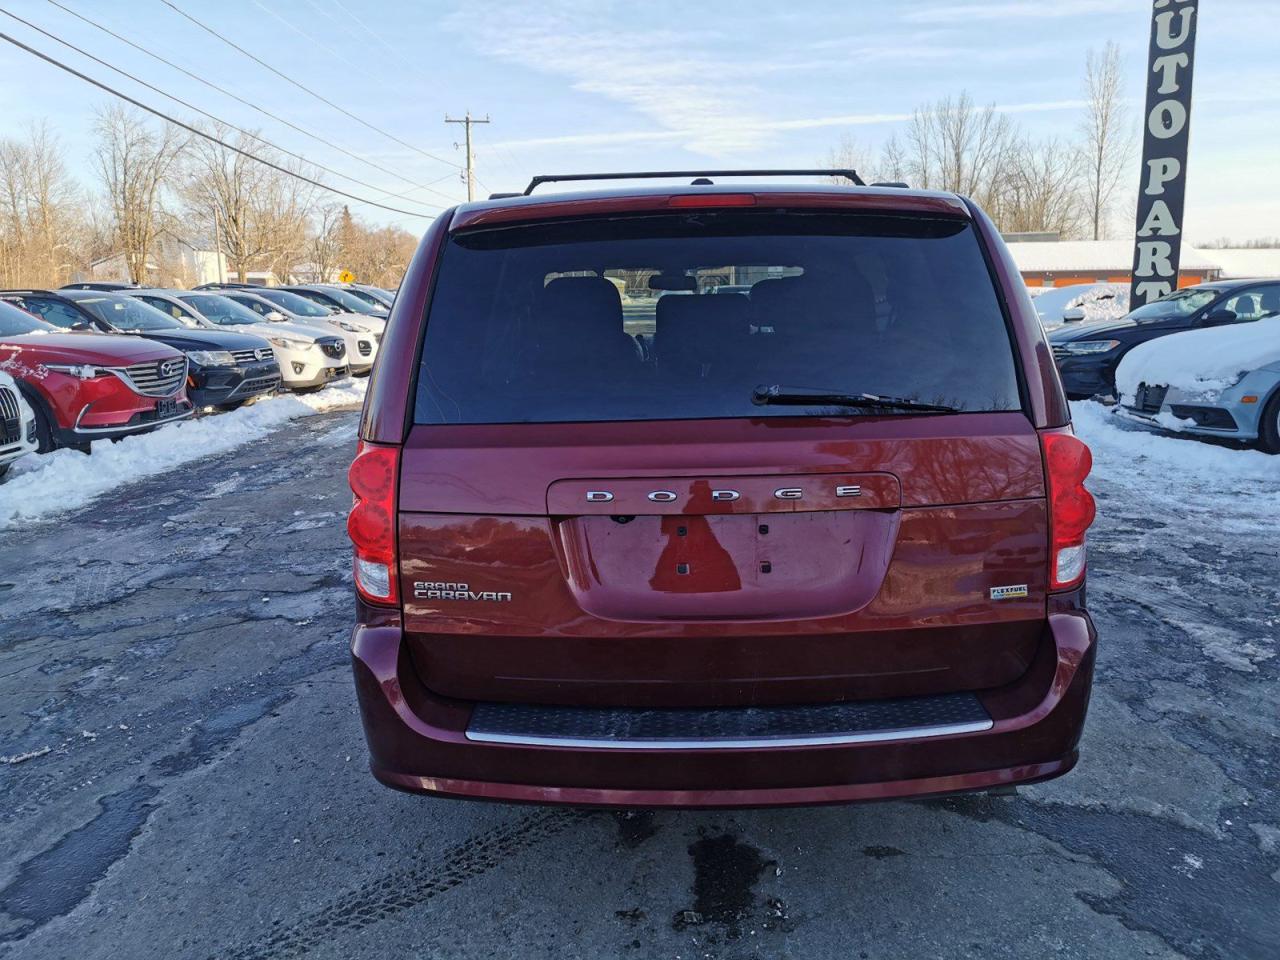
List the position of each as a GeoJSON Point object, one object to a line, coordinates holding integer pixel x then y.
{"type": "Point", "coordinates": [1213, 382]}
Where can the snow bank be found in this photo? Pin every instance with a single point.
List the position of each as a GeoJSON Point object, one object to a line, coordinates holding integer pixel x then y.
{"type": "Point", "coordinates": [65, 479]}
{"type": "Point", "coordinates": [1170, 467]}
{"type": "Point", "coordinates": [1207, 360]}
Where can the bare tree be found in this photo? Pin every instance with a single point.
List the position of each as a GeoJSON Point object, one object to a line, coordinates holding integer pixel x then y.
{"type": "Point", "coordinates": [326, 246]}
{"type": "Point", "coordinates": [258, 214]}
{"type": "Point", "coordinates": [42, 225]}
{"type": "Point", "coordinates": [1107, 137]}
{"type": "Point", "coordinates": [893, 161]}
{"type": "Point", "coordinates": [134, 162]}
{"type": "Point", "coordinates": [1042, 189]}
{"type": "Point", "coordinates": [849, 154]}
{"type": "Point", "coordinates": [375, 255]}
{"type": "Point", "coordinates": [954, 145]}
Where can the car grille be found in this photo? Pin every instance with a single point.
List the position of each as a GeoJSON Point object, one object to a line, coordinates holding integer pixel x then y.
{"type": "Point", "coordinates": [253, 356]}
{"type": "Point", "coordinates": [365, 348]}
{"type": "Point", "coordinates": [10, 418]}
{"type": "Point", "coordinates": [1148, 399]}
{"type": "Point", "coordinates": [333, 348]}
{"type": "Point", "coordinates": [155, 378]}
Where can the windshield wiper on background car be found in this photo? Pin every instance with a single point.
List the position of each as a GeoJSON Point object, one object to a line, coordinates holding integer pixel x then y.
{"type": "Point", "coordinates": [804, 397]}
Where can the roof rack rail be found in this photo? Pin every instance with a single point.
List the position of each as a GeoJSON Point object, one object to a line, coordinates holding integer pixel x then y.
{"type": "Point", "coordinates": [902, 184]}
{"type": "Point", "coordinates": [702, 177]}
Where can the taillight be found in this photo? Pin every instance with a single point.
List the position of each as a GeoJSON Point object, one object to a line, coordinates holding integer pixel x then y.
{"type": "Point", "coordinates": [371, 523]}
{"type": "Point", "coordinates": [1071, 507]}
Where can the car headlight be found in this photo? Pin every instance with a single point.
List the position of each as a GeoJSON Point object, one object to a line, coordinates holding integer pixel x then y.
{"type": "Point", "coordinates": [1080, 348]}
{"type": "Point", "coordinates": [83, 371]}
{"type": "Point", "coordinates": [290, 344]}
{"type": "Point", "coordinates": [212, 358]}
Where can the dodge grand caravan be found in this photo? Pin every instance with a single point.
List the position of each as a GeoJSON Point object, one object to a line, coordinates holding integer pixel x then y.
{"type": "Point", "coordinates": [718, 496]}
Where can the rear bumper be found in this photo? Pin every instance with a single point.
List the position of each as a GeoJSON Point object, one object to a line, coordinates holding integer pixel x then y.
{"type": "Point", "coordinates": [418, 742]}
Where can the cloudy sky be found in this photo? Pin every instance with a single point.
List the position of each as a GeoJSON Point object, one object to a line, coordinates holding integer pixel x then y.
{"type": "Point", "coordinates": [577, 86]}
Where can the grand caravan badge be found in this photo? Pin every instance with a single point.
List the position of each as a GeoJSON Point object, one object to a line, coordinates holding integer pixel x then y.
{"type": "Point", "coordinates": [433, 590]}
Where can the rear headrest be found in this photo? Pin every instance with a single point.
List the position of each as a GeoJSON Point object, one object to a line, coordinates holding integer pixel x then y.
{"type": "Point", "coordinates": [767, 295]}
{"type": "Point", "coordinates": [581, 302]}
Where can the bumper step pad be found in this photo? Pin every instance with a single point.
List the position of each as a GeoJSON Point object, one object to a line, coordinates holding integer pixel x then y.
{"type": "Point", "coordinates": [627, 728]}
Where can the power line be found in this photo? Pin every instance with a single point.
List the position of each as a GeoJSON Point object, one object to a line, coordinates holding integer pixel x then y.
{"type": "Point", "coordinates": [376, 36]}
{"type": "Point", "coordinates": [315, 41]}
{"type": "Point", "coordinates": [191, 106]}
{"type": "Point", "coordinates": [254, 106]}
{"type": "Point", "coordinates": [283, 76]}
{"type": "Point", "coordinates": [200, 133]}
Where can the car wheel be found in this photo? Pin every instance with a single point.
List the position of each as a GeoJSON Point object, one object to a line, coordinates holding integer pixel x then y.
{"type": "Point", "coordinates": [1269, 428]}
{"type": "Point", "coordinates": [4, 471]}
{"type": "Point", "coordinates": [45, 443]}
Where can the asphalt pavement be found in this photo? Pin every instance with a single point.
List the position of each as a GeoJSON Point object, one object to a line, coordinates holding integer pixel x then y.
{"type": "Point", "coordinates": [182, 770]}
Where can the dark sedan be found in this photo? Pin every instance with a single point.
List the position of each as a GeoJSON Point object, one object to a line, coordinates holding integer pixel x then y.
{"type": "Point", "coordinates": [1087, 356]}
{"type": "Point", "coordinates": [224, 369]}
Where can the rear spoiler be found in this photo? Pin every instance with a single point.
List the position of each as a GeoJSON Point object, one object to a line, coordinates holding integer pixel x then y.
{"type": "Point", "coordinates": [523, 208]}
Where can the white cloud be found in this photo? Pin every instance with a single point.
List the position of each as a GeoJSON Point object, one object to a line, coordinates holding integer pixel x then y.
{"type": "Point", "coordinates": [1016, 10]}
{"type": "Point", "coordinates": [665, 75]}
{"type": "Point", "coordinates": [756, 130]}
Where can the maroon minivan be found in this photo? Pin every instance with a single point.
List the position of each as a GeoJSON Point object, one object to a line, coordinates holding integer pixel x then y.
{"type": "Point", "coordinates": [718, 496]}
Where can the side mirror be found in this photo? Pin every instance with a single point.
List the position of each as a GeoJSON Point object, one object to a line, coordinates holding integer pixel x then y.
{"type": "Point", "coordinates": [81, 326]}
{"type": "Point", "coordinates": [1219, 317]}
{"type": "Point", "coordinates": [275, 316]}
{"type": "Point", "coordinates": [1073, 315]}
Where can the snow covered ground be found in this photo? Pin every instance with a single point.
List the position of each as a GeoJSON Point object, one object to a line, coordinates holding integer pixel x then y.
{"type": "Point", "coordinates": [1221, 485]}
{"type": "Point", "coordinates": [41, 486]}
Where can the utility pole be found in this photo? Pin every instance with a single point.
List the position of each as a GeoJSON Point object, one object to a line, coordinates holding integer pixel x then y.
{"type": "Point", "coordinates": [467, 121]}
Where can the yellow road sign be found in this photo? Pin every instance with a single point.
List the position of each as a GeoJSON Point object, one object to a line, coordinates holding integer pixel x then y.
{"type": "Point", "coordinates": [346, 276]}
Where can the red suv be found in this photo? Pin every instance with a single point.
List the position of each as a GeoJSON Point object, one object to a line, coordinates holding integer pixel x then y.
{"type": "Point", "coordinates": [718, 496]}
{"type": "Point", "coordinates": [86, 386]}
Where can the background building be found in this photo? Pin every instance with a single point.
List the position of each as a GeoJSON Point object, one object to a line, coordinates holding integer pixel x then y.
{"type": "Point", "coordinates": [1064, 262]}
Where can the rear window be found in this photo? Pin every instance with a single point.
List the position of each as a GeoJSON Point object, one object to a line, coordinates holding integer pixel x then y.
{"type": "Point", "coordinates": [677, 317]}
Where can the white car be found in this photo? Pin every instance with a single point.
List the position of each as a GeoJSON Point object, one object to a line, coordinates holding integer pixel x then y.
{"type": "Point", "coordinates": [293, 304]}
{"type": "Point", "coordinates": [17, 424]}
{"type": "Point", "coordinates": [308, 358]}
{"type": "Point", "coordinates": [362, 341]}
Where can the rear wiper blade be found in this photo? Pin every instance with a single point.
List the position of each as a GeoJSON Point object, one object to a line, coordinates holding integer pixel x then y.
{"type": "Point", "coordinates": [798, 396]}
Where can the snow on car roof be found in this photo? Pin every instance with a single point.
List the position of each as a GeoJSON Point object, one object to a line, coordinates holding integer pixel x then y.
{"type": "Point", "coordinates": [1209, 359]}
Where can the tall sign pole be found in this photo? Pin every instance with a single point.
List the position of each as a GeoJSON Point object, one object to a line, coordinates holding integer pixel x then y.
{"type": "Point", "coordinates": [1157, 246]}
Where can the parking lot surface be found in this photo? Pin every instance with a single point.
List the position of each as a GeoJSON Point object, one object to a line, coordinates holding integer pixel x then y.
{"type": "Point", "coordinates": [183, 771]}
